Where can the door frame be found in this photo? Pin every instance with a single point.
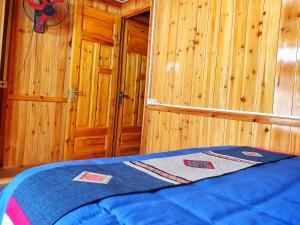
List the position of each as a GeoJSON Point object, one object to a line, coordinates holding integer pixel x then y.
{"type": "Point", "coordinates": [4, 51]}
{"type": "Point", "coordinates": [125, 17]}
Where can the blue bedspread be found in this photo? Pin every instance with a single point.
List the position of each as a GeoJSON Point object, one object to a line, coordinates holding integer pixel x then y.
{"type": "Point", "coordinates": [268, 194]}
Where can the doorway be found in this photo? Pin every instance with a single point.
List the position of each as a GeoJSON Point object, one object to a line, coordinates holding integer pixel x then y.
{"type": "Point", "coordinates": [131, 88]}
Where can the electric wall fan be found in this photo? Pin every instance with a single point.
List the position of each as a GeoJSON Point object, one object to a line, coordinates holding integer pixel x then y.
{"type": "Point", "coordinates": [46, 13]}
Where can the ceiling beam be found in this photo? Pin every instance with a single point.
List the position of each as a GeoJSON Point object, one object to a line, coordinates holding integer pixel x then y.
{"type": "Point", "coordinates": [111, 2]}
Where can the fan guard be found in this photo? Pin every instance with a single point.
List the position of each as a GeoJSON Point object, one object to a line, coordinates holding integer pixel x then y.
{"type": "Point", "coordinates": [47, 13]}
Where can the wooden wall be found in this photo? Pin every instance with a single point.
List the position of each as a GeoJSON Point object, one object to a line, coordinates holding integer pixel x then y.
{"type": "Point", "coordinates": [135, 5]}
{"type": "Point", "coordinates": [36, 97]}
{"type": "Point", "coordinates": [2, 18]}
{"type": "Point", "coordinates": [230, 55]}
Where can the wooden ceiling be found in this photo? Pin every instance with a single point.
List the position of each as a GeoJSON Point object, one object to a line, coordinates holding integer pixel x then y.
{"type": "Point", "coordinates": [112, 2]}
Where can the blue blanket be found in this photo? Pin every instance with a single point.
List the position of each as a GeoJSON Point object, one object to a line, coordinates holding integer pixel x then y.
{"type": "Point", "coordinates": [92, 206]}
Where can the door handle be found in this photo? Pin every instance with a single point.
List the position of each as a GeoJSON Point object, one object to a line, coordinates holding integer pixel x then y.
{"type": "Point", "coordinates": [73, 93]}
{"type": "Point", "coordinates": [122, 95]}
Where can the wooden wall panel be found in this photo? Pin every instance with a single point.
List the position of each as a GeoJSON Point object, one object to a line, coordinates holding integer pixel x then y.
{"type": "Point", "coordinates": [35, 121]}
{"type": "Point", "coordinates": [2, 21]}
{"type": "Point", "coordinates": [229, 55]}
{"type": "Point", "coordinates": [201, 138]}
{"type": "Point", "coordinates": [135, 5]}
{"type": "Point", "coordinates": [2, 17]}
{"type": "Point", "coordinates": [236, 54]}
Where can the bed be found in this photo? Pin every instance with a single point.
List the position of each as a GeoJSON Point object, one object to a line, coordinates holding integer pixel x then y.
{"type": "Point", "coordinates": [264, 194]}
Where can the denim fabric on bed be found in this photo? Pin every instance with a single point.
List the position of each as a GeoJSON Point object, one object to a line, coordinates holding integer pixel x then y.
{"type": "Point", "coordinates": [268, 194]}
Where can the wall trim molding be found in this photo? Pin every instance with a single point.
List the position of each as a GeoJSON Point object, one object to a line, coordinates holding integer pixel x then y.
{"type": "Point", "coordinates": [264, 118]}
{"type": "Point", "coordinates": [34, 98]}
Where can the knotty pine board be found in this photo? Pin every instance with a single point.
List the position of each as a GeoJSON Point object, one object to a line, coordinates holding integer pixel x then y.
{"type": "Point", "coordinates": [238, 56]}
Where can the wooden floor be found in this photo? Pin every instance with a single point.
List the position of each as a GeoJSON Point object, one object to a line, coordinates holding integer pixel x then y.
{"type": "Point", "coordinates": [6, 175]}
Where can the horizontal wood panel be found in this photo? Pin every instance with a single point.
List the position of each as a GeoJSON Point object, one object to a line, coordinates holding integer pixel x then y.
{"type": "Point", "coordinates": [135, 7]}
{"type": "Point", "coordinates": [191, 131]}
{"type": "Point", "coordinates": [131, 129]}
{"type": "Point", "coordinates": [238, 115]}
{"type": "Point", "coordinates": [94, 12]}
{"type": "Point", "coordinates": [106, 71]}
{"type": "Point", "coordinates": [98, 26]}
{"type": "Point", "coordinates": [90, 144]}
{"type": "Point", "coordinates": [137, 40]}
{"type": "Point", "coordinates": [37, 98]}
{"type": "Point", "coordinates": [131, 150]}
{"type": "Point", "coordinates": [97, 31]}
{"type": "Point", "coordinates": [90, 131]}
{"type": "Point", "coordinates": [130, 139]}
{"type": "Point", "coordinates": [90, 147]}
{"type": "Point", "coordinates": [111, 2]}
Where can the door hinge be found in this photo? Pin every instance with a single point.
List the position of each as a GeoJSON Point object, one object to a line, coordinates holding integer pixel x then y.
{"type": "Point", "coordinates": [122, 95]}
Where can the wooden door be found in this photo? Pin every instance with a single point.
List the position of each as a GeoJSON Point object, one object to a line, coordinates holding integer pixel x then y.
{"type": "Point", "coordinates": [131, 94]}
{"type": "Point", "coordinates": [94, 70]}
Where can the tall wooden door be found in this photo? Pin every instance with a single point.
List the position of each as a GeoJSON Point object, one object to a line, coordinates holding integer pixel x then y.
{"type": "Point", "coordinates": [131, 94]}
{"type": "Point", "coordinates": [94, 70]}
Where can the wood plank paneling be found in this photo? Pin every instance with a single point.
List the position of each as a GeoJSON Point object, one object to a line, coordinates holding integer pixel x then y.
{"type": "Point", "coordinates": [244, 57]}
{"type": "Point", "coordinates": [230, 114]}
{"type": "Point", "coordinates": [35, 121]}
{"type": "Point", "coordinates": [2, 24]}
{"type": "Point", "coordinates": [286, 75]}
{"type": "Point", "coordinates": [200, 138]}
{"type": "Point", "coordinates": [211, 53]}
{"type": "Point", "coordinates": [2, 21]}
{"type": "Point", "coordinates": [134, 6]}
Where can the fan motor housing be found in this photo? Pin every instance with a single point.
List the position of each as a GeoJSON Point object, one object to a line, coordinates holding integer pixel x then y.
{"type": "Point", "coordinates": [48, 10]}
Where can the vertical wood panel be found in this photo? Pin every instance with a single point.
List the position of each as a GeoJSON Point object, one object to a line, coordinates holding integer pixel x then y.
{"type": "Point", "coordinates": [200, 47]}
{"type": "Point", "coordinates": [3, 14]}
{"type": "Point", "coordinates": [224, 48]}
{"type": "Point", "coordinates": [268, 56]}
{"type": "Point", "coordinates": [181, 60]}
{"type": "Point", "coordinates": [286, 72]}
{"type": "Point", "coordinates": [231, 132]}
{"type": "Point", "coordinates": [211, 53]}
{"type": "Point", "coordinates": [2, 21]}
{"type": "Point", "coordinates": [237, 55]}
{"type": "Point", "coordinates": [244, 58]}
{"type": "Point", "coordinates": [286, 58]}
{"type": "Point", "coordinates": [210, 65]}
{"type": "Point", "coordinates": [295, 132]}
{"type": "Point", "coordinates": [171, 67]}
{"type": "Point", "coordinates": [222, 68]}
{"type": "Point", "coordinates": [262, 136]}
{"type": "Point", "coordinates": [236, 69]}
{"type": "Point", "coordinates": [187, 67]}
{"type": "Point", "coordinates": [295, 141]}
